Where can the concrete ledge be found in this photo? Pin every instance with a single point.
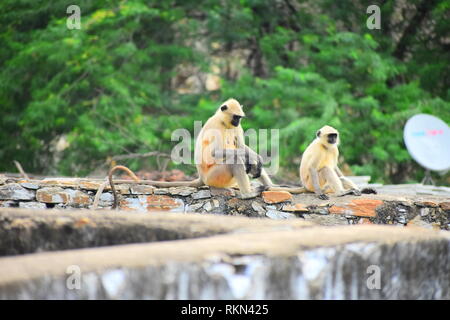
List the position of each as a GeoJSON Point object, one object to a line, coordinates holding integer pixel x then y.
{"type": "Point", "coordinates": [27, 231]}
{"type": "Point", "coordinates": [311, 263]}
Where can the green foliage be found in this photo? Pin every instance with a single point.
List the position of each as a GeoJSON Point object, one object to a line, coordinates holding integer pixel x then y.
{"type": "Point", "coordinates": [113, 87]}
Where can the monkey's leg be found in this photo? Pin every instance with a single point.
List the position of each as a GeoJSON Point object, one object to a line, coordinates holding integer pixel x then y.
{"type": "Point", "coordinates": [327, 175]}
{"type": "Point", "coordinates": [239, 173]}
{"type": "Point", "coordinates": [349, 186]}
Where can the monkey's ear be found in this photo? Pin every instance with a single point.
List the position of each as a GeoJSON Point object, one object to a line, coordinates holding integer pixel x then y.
{"type": "Point", "coordinates": [224, 107]}
{"type": "Point", "coordinates": [318, 133]}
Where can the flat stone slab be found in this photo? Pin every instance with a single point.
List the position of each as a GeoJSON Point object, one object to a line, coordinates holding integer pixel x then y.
{"type": "Point", "coordinates": [306, 263]}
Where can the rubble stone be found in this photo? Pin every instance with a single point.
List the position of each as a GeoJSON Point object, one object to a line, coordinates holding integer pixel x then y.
{"type": "Point", "coordinates": [202, 194]}
{"type": "Point", "coordinates": [14, 191]}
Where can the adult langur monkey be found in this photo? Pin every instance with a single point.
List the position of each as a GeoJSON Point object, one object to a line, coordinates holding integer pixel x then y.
{"type": "Point", "coordinates": [319, 170]}
{"type": "Point", "coordinates": [222, 158]}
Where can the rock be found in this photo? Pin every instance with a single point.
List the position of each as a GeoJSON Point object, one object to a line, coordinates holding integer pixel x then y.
{"type": "Point", "coordinates": [210, 205]}
{"type": "Point", "coordinates": [32, 205]}
{"type": "Point", "coordinates": [430, 204]}
{"type": "Point", "coordinates": [358, 207]}
{"type": "Point", "coordinates": [278, 215]}
{"type": "Point", "coordinates": [78, 198]}
{"type": "Point", "coordinates": [298, 207]}
{"type": "Point", "coordinates": [161, 191]}
{"type": "Point", "coordinates": [137, 204]}
{"type": "Point", "coordinates": [73, 197]}
{"type": "Point", "coordinates": [424, 212]}
{"type": "Point", "coordinates": [60, 182]}
{"type": "Point", "coordinates": [182, 191]}
{"type": "Point", "coordinates": [8, 204]}
{"type": "Point", "coordinates": [226, 192]}
{"type": "Point", "coordinates": [164, 203]}
{"type": "Point", "coordinates": [14, 191]}
{"type": "Point", "coordinates": [276, 196]}
{"type": "Point", "coordinates": [29, 185]}
{"type": "Point", "coordinates": [194, 207]}
{"type": "Point", "coordinates": [202, 194]}
{"type": "Point", "coordinates": [142, 189]}
{"type": "Point", "coordinates": [326, 220]}
{"type": "Point", "coordinates": [258, 208]}
{"type": "Point", "coordinates": [90, 185]}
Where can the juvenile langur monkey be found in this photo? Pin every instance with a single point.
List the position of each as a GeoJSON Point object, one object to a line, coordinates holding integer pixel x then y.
{"type": "Point", "coordinates": [222, 158]}
{"type": "Point", "coordinates": [319, 172]}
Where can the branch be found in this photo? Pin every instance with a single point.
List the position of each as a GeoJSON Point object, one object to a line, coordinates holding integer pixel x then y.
{"type": "Point", "coordinates": [22, 172]}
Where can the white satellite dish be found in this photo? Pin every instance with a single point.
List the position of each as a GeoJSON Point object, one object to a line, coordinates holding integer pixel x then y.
{"type": "Point", "coordinates": [428, 141]}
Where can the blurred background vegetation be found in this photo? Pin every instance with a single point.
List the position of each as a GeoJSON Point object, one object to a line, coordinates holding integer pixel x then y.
{"type": "Point", "coordinates": [138, 69]}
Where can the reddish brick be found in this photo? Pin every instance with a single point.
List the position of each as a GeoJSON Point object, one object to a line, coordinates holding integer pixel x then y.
{"type": "Point", "coordinates": [358, 207]}
{"type": "Point", "coordinates": [276, 196]}
{"type": "Point", "coordinates": [298, 207]}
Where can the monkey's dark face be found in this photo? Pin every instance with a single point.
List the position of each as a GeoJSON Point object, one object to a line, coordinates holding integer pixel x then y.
{"type": "Point", "coordinates": [332, 138]}
{"type": "Point", "coordinates": [236, 120]}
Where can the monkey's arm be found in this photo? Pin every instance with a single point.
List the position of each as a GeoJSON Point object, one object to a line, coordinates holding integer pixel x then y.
{"type": "Point", "coordinates": [344, 179]}
{"type": "Point", "coordinates": [315, 181]}
{"type": "Point", "coordinates": [349, 184]}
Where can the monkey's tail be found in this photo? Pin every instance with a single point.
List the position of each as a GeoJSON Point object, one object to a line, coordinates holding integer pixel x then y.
{"type": "Point", "coordinates": [111, 183]}
{"type": "Point", "coordinates": [297, 190]}
{"type": "Point", "coordinates": [194, 183]}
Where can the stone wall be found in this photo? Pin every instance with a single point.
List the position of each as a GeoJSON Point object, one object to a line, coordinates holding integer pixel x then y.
{"type": "Point", "coordinates": [428, 210]}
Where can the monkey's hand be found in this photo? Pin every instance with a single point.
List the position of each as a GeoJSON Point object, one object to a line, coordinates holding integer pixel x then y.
{"type": "Point", "coordinates": [253, 165]}
{"type": "Point", "coordinates": [323, 196]}
{"type": "Point", "coordinates": [369, 191]}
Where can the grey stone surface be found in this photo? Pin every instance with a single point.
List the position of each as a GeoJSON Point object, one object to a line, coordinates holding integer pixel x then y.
{"type": "Point", "coordinates": [258, 207]}
{"type": "Point", "coordinates": [182, 191]}
{"type": "Point", "coordinates": [202, 194]}
{"type": "Point", "coordinates": [326, 220]}
{"type": "Point", "coordinates": [28, 185]}
{"type": "Point", "coordinates": [277, 215]}
{"type": "Point", "coordinates": [161, 191]}
{"type": "Point", "coordinates": [14, 191]}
